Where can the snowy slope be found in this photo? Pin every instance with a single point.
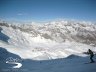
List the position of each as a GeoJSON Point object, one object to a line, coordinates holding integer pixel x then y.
{"type": "Point", "coordinates": [52, 40]}
{"type": "Point", "coordinates": [70, 64]}
{"type": "Point", "coordinates": [56, 46]}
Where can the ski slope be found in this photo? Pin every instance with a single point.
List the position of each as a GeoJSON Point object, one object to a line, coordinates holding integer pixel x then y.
{"type": "Point", "coordinates": [56, 46]}
{"type": "Point", "coordinates": [69, 64]}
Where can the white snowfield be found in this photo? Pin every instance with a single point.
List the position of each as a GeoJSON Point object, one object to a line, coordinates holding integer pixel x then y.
{"type": "Point", "coordinates": [52, 40]}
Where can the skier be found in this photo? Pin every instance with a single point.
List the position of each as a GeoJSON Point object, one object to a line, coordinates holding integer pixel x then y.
{"type": "Point", "coordinates": [90, 52]}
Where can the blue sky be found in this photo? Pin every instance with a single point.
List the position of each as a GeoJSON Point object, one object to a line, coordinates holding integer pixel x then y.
{"type": "Point", "coordinates": [24, 10]}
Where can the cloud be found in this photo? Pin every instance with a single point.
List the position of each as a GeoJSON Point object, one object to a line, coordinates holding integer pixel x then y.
{"type": "Point", "coordinates": [19, 14]}
{"type": "Point", "coordinates": [22, 14]}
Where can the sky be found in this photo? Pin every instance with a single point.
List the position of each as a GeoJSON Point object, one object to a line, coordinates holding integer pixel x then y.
{"type": "Point", "coordinates": [40, 10]}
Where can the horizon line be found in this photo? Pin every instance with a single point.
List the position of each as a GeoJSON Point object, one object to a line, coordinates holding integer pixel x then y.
{"type": "Point", "coordinates": [46, 20]}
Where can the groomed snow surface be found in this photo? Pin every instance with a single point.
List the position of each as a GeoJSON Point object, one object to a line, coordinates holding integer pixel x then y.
{"type": "Point", "coordinates": [57, 46]}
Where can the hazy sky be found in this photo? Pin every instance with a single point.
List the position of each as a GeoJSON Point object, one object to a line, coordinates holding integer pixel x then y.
{"type": "Point", "coordinates": [23, 10]}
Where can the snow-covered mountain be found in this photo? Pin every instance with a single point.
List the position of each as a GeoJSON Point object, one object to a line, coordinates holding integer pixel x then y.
{"type": "Point", "coordinates": [50, 40]}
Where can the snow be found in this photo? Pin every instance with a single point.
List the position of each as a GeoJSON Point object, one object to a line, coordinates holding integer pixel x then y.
{"type": "Point", "coordinates": [69, 64]}
{"type": "Point", "coordinates": [53, 40]}
{"type": "Point", "coordinates": [57, 46]}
